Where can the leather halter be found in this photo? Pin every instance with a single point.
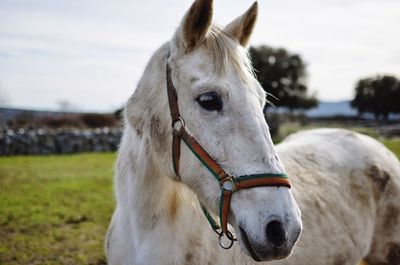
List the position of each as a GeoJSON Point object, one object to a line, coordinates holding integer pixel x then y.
{"type": "Point", "coordinates": [228, 183]}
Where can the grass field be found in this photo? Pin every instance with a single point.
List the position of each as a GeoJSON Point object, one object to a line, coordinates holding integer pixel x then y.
{"type": "Point", "coordinates": [393, 145]}
{"type": "Point", "coordinates": [55, 210]}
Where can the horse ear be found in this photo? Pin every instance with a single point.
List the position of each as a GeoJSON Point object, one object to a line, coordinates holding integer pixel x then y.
{"type": "Point", "coordinates": [242, 27]}
{"type": "Point", "coordinates": [196, 23]}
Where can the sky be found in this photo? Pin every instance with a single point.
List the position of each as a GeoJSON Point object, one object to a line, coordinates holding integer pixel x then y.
{"type": "Point", "coordinates": [91, 53]}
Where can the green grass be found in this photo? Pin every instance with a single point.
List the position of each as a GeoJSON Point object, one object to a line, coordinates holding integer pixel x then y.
{"type": "Point", "coordinates": [55, 210]}
{"type": "Point", "coordinates": [394, 145]}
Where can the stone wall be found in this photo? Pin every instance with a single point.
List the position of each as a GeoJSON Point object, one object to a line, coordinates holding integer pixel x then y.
{"type": "Point", "coordinates": [58, 141]}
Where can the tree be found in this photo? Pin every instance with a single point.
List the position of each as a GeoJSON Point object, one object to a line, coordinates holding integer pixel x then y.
{"type": "Point", "coordinates": [3, 97]}
{"type": "Point", "coordinates": [67, 106]}
{"type": "Point", "coordinates": [379, 95]}
{"type": "Point", "coordinates": [283, 77]}
{"type": "Point", "coordinates": [119, 113]}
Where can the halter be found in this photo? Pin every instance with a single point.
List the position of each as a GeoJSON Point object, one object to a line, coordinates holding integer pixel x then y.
{"type": "Point", "coordinates": [228, 183]}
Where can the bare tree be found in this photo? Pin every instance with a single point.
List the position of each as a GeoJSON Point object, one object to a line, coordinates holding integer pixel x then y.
{"type": "Point", "coordinates": [3, 96]}
{"type": "Point", "coordinates": [67, 106]}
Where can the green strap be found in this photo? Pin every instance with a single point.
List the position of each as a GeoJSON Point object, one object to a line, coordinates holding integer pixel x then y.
{"type": "Point", "coordinates": [211, 220]}
{"type": "Point", "coordinates": [260, 176]}
{"type": "Point", "coordinates": [201, 159]}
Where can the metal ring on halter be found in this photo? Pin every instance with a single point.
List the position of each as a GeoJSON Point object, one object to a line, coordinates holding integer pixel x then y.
{"type": "Point", "coordinates": [227, 183]}
{"type": "Point", "coordinates": [181, 121]}
{"type": "Point", "coordinates": [229, 236]}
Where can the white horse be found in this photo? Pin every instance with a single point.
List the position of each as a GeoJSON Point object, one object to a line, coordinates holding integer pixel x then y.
{"type": "Point", "coordinates": [347, 185]}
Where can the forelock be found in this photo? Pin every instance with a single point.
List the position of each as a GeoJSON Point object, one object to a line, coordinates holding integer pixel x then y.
{"type": "Point", "coordinates": [226, 53]}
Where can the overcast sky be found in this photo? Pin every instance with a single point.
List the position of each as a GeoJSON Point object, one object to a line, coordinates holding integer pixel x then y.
{"type": "Point", "coordinates": [92, 52]}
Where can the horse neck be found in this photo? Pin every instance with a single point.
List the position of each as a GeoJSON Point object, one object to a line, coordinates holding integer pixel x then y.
{"type": "Point", "coordinates": [142, 185]}
{"type": "Point", "coordinates": [161, 216]}
{"type": "Point", "coordinates": [141, 190]}
{"type": "Point", "coordinates": [158, 210]}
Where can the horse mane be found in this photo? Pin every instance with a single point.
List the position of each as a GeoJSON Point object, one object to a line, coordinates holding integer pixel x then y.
{"type": "Point", "coordinates": [226, 52]}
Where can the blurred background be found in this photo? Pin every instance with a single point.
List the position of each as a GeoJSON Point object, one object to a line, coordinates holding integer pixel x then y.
{"type": "Point", "coordinates": [68, 67]}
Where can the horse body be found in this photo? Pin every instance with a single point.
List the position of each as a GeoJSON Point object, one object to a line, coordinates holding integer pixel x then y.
{"type": "Point", "coordinates": [345, 183]}
{"type": "Point", "coordinates": [348, 188]}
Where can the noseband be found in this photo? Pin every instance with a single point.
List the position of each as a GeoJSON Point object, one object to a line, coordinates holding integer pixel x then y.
{"type": "Point", "coordinates": [227, 182]}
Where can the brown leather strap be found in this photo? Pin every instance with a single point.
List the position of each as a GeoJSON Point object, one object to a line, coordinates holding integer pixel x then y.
{"type": "Point", "coordinates": [172, 97]}
{"type": "Point", "coordinates": [175, 116]}
{"type": "Point", "coordinates": [202, 155]}
{"type": "Point", "coordinates": [226, 196]}
{"type": "Point", "coordinates": [176, 154]}
{"type": "Point", "coordinates": [261, 182]}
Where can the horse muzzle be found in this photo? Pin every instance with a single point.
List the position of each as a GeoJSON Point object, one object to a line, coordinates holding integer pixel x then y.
{"type": "Point", "coordinates": [276, 243]}
{"type": "Point", "coordinates": [269, 229]}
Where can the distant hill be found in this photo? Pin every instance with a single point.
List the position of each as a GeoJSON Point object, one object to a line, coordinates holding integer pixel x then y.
{"type": "Point", "coordinates": [329, 109]}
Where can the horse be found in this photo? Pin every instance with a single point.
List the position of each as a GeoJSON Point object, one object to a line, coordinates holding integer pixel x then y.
{"type": "Point", "coordinates": [199, 89]}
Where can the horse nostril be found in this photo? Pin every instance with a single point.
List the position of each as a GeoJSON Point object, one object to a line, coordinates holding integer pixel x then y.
{"type": "Point", "coordinates": [276, 234]}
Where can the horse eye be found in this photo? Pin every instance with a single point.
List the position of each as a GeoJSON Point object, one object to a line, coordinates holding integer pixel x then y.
{"type": "Point", "coordinates": [210, 101]}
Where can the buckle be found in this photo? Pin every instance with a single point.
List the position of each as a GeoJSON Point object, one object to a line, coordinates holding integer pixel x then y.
{"type": "Point", "coordinates": [227, 183]}
{"type": "Point", "coordinates": [181, 124]}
